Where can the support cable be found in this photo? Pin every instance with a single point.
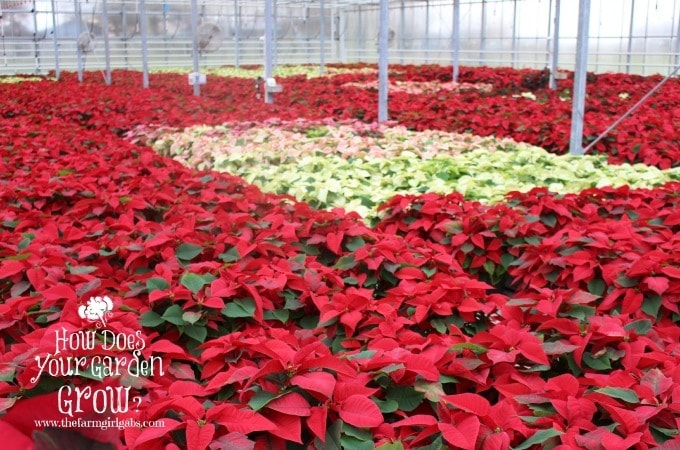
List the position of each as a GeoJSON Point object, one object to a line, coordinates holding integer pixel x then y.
{"type": "Point", "coordinates": [632, 109]}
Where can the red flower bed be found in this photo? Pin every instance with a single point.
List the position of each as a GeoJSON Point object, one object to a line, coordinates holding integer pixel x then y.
{"type": "Point", "coordinates": [247, 320]}
{"type": "Point", "coordinates": [650, 135]}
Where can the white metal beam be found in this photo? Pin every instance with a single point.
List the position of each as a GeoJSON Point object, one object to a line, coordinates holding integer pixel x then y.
{"type": "Point", "coordinates": [580, 75]}
{"type": "Point", "coordinates": [382, 61]}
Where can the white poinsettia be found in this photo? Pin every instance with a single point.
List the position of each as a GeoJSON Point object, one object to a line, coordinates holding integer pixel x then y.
{"type": "Point", "coordinates": [359, 166]}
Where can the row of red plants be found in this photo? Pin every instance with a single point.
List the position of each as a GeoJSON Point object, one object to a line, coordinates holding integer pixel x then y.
{"type": "Point", "coordinates": [650, 135]}
{"type": "Point", "coordinates": [542, 322]}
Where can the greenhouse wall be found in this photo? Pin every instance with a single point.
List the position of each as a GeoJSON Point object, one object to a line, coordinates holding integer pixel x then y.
{"type": "Point", "coordinates": [634, 36]}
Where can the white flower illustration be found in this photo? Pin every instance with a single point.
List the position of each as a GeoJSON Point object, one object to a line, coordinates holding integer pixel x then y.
{"type": "Point", "coordinates": [96, 310]}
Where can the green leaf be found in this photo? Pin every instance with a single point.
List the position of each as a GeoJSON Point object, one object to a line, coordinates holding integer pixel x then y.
{"type": "Point", "coordinates": [282, 315]}
{"type": "Point", "coordinates": [156, 284]}
{"type": "Point", "coordinates": [506, 260]}
{"type": "Point", "coordinates": [549, 219]}
{"type": "Point", "coordinates": [437, 444]}
{"type": "Point", "coordinates": [81, 270]}
{"type": "Point", "coordinates": [7, 374]}
{"type": "Point", "coordinates": [626, 282]}
{"type": "Point", "coordinates": [174, 315]}
{"type": "Point", "coordinates": [192, 282]}
{"type": "Point", "coordinates": [601, 363]}
{"type": "Point", "coordinates": [429, 272]}
{"type": "Point", "coordinates": [651, 305]}
{"type": "Point", "coordinates": [366, 354]}
{"type": "Point", "coordinates": [332, 442]}
{"type": "Point", "coordinates": [356, 444]}
{"type": "Point", "coordinates": [539, 437]}
{"type": "Point", "coordinates": [386, 406]}
{"type": "Point", "coordinates": [406, 396]}
{"type": "Point", "coordinates": [641, 327]}
{"type": "Point", "coordinates": [196, 332]}
{"type": "Point", "coordinates": [355, 432]}
{"type": "Point", "coordinates": [581, 312]}
{"type": "Point", "coordinates": [89, 286]}
{"type": "Point", "coordinates": [244, 307]}
{"type": "Point", "coordinates": [150, 319]}
{"type": "Point", "coordinates": [597, 286]}
{"type": "Point", "coordinates": [260, 399]}
{"type": "Point", "coordinates": [187, 252]}
{"type": "Point", "coordinates": [476, 348]}
{"type": "Point", "coordinates": [104, 252]}
{"type": "Point", "coordinates": [391, 446]}
{"type": "Point", "coordinates": [351, 281]}
{"type": "Point", "coordinates": [432, 390]}
{"type": "Point", "coordinates": [627, 395]}
{"type": "Point", "coordinates": [355, 244]}
{"type": "Point", "coordinates": [191, 317]}
{"type": "Point", "coordinates": [346, 262]}
{"type": "Point", "coordinates": [230, 255]}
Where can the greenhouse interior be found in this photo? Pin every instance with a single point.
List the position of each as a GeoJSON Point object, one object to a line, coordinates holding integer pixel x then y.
{"type": "Point", "coordinates": [340, 224]}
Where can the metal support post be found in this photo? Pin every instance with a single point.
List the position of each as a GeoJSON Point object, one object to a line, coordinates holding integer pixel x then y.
{"type": "Point", "coordinates": [322, 37]}
{"type": "Point", "coordinates": [482, 38]}
{"type": "Point", "coordinates": [556, 47]}
{"type": "Point", "coordinates": [455, 37]}
{"type": "Point", "coordinates": [677, 43]}
{"type": "Point", "coordinates": [194, 45]}
{"type": "Point", "coordinates": [36, 47]}
{"type": "Point", "coordinates": [237, 34]}
{"type": "Point", "coordinates": [268, 47]}
{"type": "Point", "coordinates": [342, 29]}
{"type": "Point", "coordinates": [580, 75]}
{"type": "Point", "coordinates": [402, 27]}
{"type": "Point", "coordinates": [630, 36]}
{"type": "Point", "coordinates": [107, 47]}
{"type": "Point", "coordinates": [79, 29]}
{"type": "Point", "coordinates": [143, 29]}
{"type": "Point", "coordinates": [382, 61]}
{"type": "Point", "coordinates": [514, 33]}
{"type": "Point", "coordinates": [427, 31]}
{"type": "Point", "coordinates": [55, 41]}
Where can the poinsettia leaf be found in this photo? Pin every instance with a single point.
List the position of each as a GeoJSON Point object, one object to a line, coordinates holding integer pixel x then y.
{"type": "Point", "coordinates": [318, 381]}
{"type": "Point", "coordinates": [291, 403]}
{"type": "Point", "coordinates": [174, 315]}
{"type": "Point", "coordinates": [155, 284]}
{"type": "Point", "coordinates": [463, 434]}
{"type": "Point", "coordinates": [641, 326]}
{"type": "Point", "coordinates": [597, 286]}
{"type": "Point", "coordinates": [626, 282]}
{"type": "Point", "coordinates": [346, 262]}
{"type": "Point", "coordinates": [196, 332]}
{"type": "Point", "coordinates": [317, 421]}
{"type": "Point", "coordinates": [469, 402]}
{"type": "Point", "coordinates": [244, 307]}
{"type": "Point", "coordinates": [407, 397]}
{"type": "Point", "coordinates": [651, 305]}
{"type": "Point", "coordinates": [187, 251]}
{"type": "Point", "coordinates": [234, 441]}
{"type": "Point", "coordinates": [627, 395]}
{"type": "Point", "coordinates": [392, 446]}
{"type": "Point", "coordinates": [193, 282]}
{"type": "Point", "coordinates": [360, 411]}
{"type": "Point", "coordinates": [657, 284]}
{"type": "Point", "coordinates": [538, 438]}
{"type": "Point", "coordinates": [151, 319]}
{"type": "Point", "coordinates": [230, 256]}
{"type": "Point", "coordinates": [386, 406]}
{"type": "Point", "coordinates": [261, 399]}
{"type": "Point", "coordinates": [355, 243]}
